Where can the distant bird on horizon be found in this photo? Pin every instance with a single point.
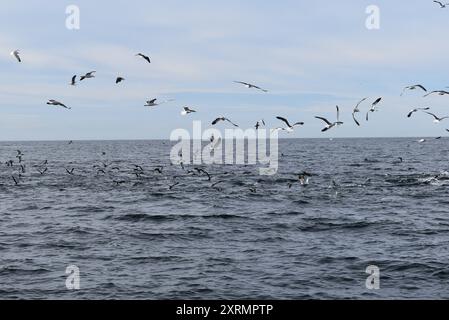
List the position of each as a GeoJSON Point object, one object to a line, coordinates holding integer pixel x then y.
{"type": "Point", "coordinates": [57, 103]}
{"type": "Point", "coordinates": [187, 111]}
{"type": "Point", "coordinates": [437, 119]}
{"type": "Point", "coordinates": [442, 5]}
{"type": "Point", "coordinates": [16, 54]}
{"type": "Point", "coordinates": [223, 119]}
{"type": "Point", "coordinates": [251, 86]}
{"type": "Point", "coordinates": [357, 110]}
{"type": "Point", "coordinates": [373, 107]}
{"type": "Point", "coordinates": [143, 57]}
{"type": "Point", "coordinates": [440, 93]}
{"type": "Point", "coordinates": [88, 75]}
{"type": "Point", "coordinates": [414, 87]}
{"type": "Point", "coordinates": [119, 79]}
{"type": "Point", "coordinates": [290, 127]}
{"type": "Point", "coordinates": [416, 110]}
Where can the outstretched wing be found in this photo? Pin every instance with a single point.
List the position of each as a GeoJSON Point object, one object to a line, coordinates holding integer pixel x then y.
{"type": "Point", "coordinates": [284, 120]}
{"type": "Point", "coordinates": [325, 120]}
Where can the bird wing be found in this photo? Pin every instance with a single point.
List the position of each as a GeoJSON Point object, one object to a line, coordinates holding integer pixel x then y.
{"type": "Point", "coordinates": [422, 87]}
{"type": "Point", "coordinates": [284, 120]}
{"type": "Point", "coordinates": [241, 82]}
{"type": "Point", "coordinates": [355, 120]}
{"type": "Point", "coordinates": [377, 101]}
{"type": "Point", "coordinates": [338, 114]}
{"type": "Point", "coordinates": [358, 104]}
{"type": "Point", "coordinates": [216, 121]}
{"type": "Point", "coordinates": [325, 120]}
{"type": "Point", "coordinates": [436, 118]}
{"type": "Point", "coordinates": [231, 122]}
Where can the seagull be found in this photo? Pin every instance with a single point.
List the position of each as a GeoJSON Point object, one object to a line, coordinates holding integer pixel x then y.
{"type": "Point", "coordinates": [153, 103]}
{"type": "Point", "coordinates": [70, 172]}
{"type": "Point", "coordinates": [88, 75]}
{"type": "Point", "coordinates": [416, 110]}
{"type": "Point", "coordinates": [414, 87]}
{"type": "Point", "coordinates": [57, 103]}
{"type": "Point", "coordinates": [16, 54]}
{"type": "Point", "coordinates": [223, 119]}
{"type": "Point", "coordinates": [373, 107]}
{"type": "Point", "coordinates": [330, 125]}
{"type": "Point", "coordinates": [187, 111]}
{"type": "Point", "coordinates": [119, 79]}
{"type": "Point", "coordinates": [290, 127]}
{"type": "Point", "coordinates": [259, 124]}
{"type": "Point", "coordinates": [442, 5]}
{"type": "Point", "coordinates": [73, 82]}
{"type": "Point", "coordinates": [437, 119]}
{"type": "Point", "coordinates": [440, 92]}
{"type": "Point", "coordinates": [251, 86]}
{"type": "Point", "coordinates": [356, 110]}
{"type": "Point", "coordinates": [144, 57]}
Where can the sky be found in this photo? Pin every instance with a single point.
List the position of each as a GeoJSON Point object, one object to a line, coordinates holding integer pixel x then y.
{"type": "Point", "coordinates": [311, 56]}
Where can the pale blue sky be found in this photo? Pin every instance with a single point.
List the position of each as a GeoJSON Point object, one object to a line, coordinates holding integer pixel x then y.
{"type": "Point", "coordinates": [310, 55]}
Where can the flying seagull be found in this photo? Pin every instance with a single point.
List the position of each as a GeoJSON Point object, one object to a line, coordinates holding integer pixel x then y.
{"type": "Point", "coordinates": [143, 57]}
{"type": "Point", "coordinates": [73, 82]}
{"type": "Point", "coordinates": [373, 107]}
{"type": "Point", "coordinates": [442, 5]}
{"type": "Point", "coordinates": [119, 79]}
{"type": "Point", "coordinates": [416, 110]}
{"type": "Point", "coordinates": [88, 75]}
{"type": "Point", "coordinates": [440, 92]}
{"type": "Point", "coordinates": [153, 103]}
{"type": "Point", "coordinates": [187, 111]}
{"type": "Point", "coordinates": [223, 119]}
{"type": "Point", "coordinates": [290, 127]}
{"type": "Point", "coordinates": [57, 103]}
{"type": "Point", "coordinates": [16, 54]}
{"type": "Point", "coordinates": [356, 110]}
{"type": "Point", "coordinates": [437, 119]}
{"type": "Point", "coordinates": [251, 86]}
{"type": "Point", "coordinates": [259, 124]}
{"type": "Point", "coordinates": [330, 125]}
{"type": "Point", "coordinates": [414, 87]}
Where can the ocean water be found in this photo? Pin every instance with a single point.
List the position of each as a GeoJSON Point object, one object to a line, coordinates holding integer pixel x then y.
{"type": "Point", "coordinates": [251, 236]}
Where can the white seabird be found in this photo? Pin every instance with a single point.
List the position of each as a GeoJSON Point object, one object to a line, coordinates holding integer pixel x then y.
{"type": "Point", "coordinates": [57, 103]}
{"type": "Point", "coordinates": [16, 54]}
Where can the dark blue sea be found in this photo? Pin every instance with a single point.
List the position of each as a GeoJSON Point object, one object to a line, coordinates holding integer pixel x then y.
{"type": "Point", "coordinates": [115, 217]}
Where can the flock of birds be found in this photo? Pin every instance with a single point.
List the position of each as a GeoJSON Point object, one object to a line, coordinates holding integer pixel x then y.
{"type": "Point", "coordinates": [289, 127]}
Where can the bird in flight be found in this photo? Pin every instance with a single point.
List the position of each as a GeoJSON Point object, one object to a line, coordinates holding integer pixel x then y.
{"type": "Point", "coordinates": [119, 79]}
{"type": "Point", "coordinates": [154, 103]}
{"type": "Point", "coordinates": [440, 92]}
{"type": "Point", "coordinates": [73, 82]}
{"type": "Point", "coordinates": [259, 124]}
{"type": "Point", "coordinates": [442, 5]}
{"type": "Point", "coordinates": [437, 119]}
{"type": "Point", "coordinates": [251, 86]}
{"type": "Point", "coordinates": [290, 127]}
{"type": "Point", "coordinates": [143, 57]}
{"type": "Point", "coordinates": [330, 125]}
{"type": "Point", "coordinates": [187, 111]}
{"type": "Point", "coordinates": [414, 87]}
{"type": "Point", "coordinates": [57, 103]}
{"type": "Point", "coordinates": [16, 54]}
{"type": "Point", "coordinates": [223, 119]}
{"type": "Point", "coordinates": [88, 75]}
{"type": "Point", "coordinates": [416, 110]}
{"type": "Point", "coordinates": [356, 110]}
{"type": "Point", "coordinates": [373, 107]}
